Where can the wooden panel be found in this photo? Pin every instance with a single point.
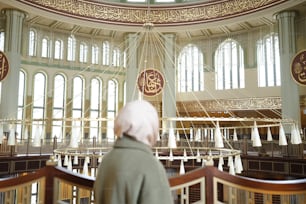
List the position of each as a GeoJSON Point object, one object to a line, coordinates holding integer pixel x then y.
{"type": "Point", "coordinates": [296, 168]}
{"type": "Point", "coordinates": [34, 165]}
{"type": "Point", "coordinates": [4, 167]}
{"type": "Point", "coordinates": [20, 166]}
{"type": "Point", "coordinates": [267, 166]}
{"type": "Point", "coordinates": [279, 167]}
{"type": "Point", "coordinates": [254, 165]}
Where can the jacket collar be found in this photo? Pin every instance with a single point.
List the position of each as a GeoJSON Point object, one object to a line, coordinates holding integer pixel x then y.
{"type": "Point", "coordinates": [128, 142]}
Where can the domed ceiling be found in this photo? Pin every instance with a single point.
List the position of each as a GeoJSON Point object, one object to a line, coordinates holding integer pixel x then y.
{"type": "Point", "coordinates": [190, 19]}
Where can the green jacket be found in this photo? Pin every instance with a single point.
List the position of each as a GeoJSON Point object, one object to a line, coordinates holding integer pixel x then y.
{"type": "Point", "coordinates": [131, 174]}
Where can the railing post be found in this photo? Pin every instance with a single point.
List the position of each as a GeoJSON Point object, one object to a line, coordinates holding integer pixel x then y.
{"type": "Point", "coordinates": [50, 183]}
{"type": "Point", "coordinates": [209, 183]}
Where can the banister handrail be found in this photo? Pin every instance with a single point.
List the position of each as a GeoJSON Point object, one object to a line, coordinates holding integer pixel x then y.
{"type": "Point", "coordinates": [283, 185]}
{"type": "Point", "coordinates": [210, 173]}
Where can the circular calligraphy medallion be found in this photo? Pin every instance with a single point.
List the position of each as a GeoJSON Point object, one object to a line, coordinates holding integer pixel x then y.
{"type": "Point", "coordinates": [150, 82]}
{"type": "Point", "coordinates": [298, 68]}
{"type": "Point", "coordinates": [4, 66]}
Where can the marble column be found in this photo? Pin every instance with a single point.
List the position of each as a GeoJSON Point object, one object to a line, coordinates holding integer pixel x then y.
{"type": "Point", "coordinates": [289, 89]}
{"type": "Point", "coordinates": [169, 92]}
{"type": "Point", "coordinates": [132, 69]}
{"type": "Point", "coordinates": [12, 50]}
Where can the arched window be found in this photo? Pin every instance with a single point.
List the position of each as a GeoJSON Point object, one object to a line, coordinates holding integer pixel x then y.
{"type": "Point", "coordinates": [95, 54]}
{"type": "Point", "coordinates": [21, 107]}
{"type": "Point", "coordinates": [32, 42]}
{"type": "Point", "coordinates": [58, 49]}
{"type": "Point", "coordinates": [58, 111]}
{"type": "Point", "coordinates": [78, 102]}
{"type": "Point", "coordinates": [2, 40]}
{"type": "Point", "coordinates": [112, 91]}
{"type": "Point", "coordinates": [95, 107]}
{"type": "Point", "coordinates": [190, 69]}
{"type": "Point", "coordinates": [71, 48]}
{"type": "Point", "coordinates": [39, 101]}
{"type": "Point", "coordinates": [268, 61]}
{"type": "Point", "coordinates": [45, 47]}
{"type": "Point", "coordinates": [229, 65]}
{"type": "Point", "coordinates": [105, 53]}
{"type": "Point", "coordinates": [116, 57]}
{"type": "Point", "coordinates": [83, 52]}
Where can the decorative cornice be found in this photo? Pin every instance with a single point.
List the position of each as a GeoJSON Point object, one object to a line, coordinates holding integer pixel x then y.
{"type": "Point", "coordinates": [231, 105]}
{"type": "Point", "coordinates": [168, 15]}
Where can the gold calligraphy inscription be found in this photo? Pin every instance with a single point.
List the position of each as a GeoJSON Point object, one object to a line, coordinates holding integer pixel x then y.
{"type": "Point", "coordinates": [150, 82]}
{"type": "Point", "coordinates": [161, 15]}
{"type": "Point", "coordinates": [4, 66]}
{"type": "Point", "coordinates": [298, 68]}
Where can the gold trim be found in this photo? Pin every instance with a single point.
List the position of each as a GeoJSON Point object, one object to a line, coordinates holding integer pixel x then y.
{"type": "Point", "coordinates": [231, 104]}
{"type": "Point", "coordinates": [179, 14]}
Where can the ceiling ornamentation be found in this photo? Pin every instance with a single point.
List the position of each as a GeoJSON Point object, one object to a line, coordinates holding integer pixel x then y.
{"type": "Point", "coordinates": [166, 15]}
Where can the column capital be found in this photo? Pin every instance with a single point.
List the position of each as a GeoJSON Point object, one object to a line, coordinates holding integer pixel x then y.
{"type": "Point", "coordinates": [285, 14]}
{"type": "Point", "coordinates": [9, 11]}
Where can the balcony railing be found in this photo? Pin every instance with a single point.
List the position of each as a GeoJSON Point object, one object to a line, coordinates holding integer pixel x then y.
{"type": "Point", "coordinates": [269, 148]}
{"type": "Point", "coordinates": [207, 185]}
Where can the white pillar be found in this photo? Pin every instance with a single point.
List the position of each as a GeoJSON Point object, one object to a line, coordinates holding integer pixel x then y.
{"type": "Point", "coordinates": [12, 50]}
{"type": "Point", "coordinates": [289, 89]}
{"type": "Point", "coordinates": [132, 69]}
{"type": "Point", "coordinates": [169, 93]}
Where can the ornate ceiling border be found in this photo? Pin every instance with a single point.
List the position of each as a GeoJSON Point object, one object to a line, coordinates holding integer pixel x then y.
{"type": "Point", "coordinates": [168, 15]}
{"type": "Point", "coordinates": [231, 104]}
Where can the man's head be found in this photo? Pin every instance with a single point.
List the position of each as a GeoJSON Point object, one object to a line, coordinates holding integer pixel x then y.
{"type": "Point", "coordinates": [138, 119]}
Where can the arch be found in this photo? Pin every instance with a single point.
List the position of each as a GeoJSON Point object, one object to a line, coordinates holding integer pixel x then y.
{"type": "Point", "coordinates": [190, 69]}
{"type": "Point", "coordinates": [229, 65]}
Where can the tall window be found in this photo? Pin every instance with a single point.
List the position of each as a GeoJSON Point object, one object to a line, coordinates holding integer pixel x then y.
{"type": "Point", "coordinates": [229, 65]}
{"type": "Point", "coordinates": [95, 107]}
{"type": "Point", "coordinates": [95, 54]}
{"type": "Point", "coordinates": [111, 107]}
{"type": "Point", "coordinates": [21, 110]}
{"type": "Point", "coordinates": [2, 40]}
{"type": "Point", "coordinates": [32, 42]}
{"type": "Point", "coordinates": [45, 47]}
{"type": "Point", "coordinates": [58, 111]}
{"type": "Point", "coordinates": [83, 52]}
{"type": "Point", "coordinates": [39, 100]}
{"type": "Point", "coordinates": [58, 49]}
{"type": "Point", "coordinates": [105, 53]}
{"type": "Point", "coordinates": [190, 70]}
{"type": "Point", "coordinates": [77, 102]}
{"type": "Point", "coordinates": [268, 61]}
{"type": "Point", "coordinates": [116, 57]}
{"type": "Point", "coordinates": [71, 48]}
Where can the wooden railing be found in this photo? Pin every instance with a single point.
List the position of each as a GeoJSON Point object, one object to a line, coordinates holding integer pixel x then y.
{"type": "Point", "coordinates": [207, 185]}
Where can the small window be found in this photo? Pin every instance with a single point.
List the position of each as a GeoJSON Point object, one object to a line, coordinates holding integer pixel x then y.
{"type": "Point", "coordinates": [32, 42]}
